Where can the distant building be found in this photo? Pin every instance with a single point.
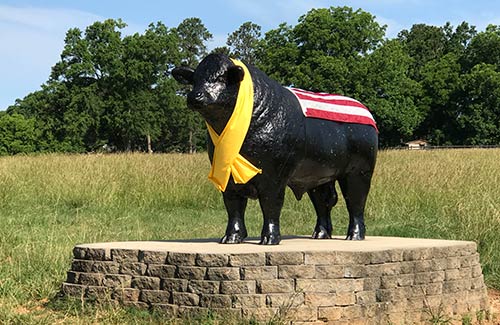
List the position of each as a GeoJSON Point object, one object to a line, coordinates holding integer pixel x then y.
{"type": "Point", "coordinates": [417, 144]}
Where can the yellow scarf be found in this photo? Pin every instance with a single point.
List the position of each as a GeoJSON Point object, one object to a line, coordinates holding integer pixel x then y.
{"type": "Point", "coordinates": [227, 160]}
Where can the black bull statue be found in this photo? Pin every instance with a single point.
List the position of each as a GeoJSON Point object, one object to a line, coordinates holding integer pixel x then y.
{"type": "Point", "coordinates": [306, 154]}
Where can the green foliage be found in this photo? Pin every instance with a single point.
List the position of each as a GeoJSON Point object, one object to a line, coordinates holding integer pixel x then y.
{"type": "Point", "coordinates": [114, 92]}
{"type": "Point", "coordinates": [391, 94]}
{"type": "Point", "coordinates": [338, 31]}
{"type": "Point", "coordinates": [459, 39]}
{"type": "Point", "coordinates": [118, 94]}
{"type": "Point", "coordinates": [484, 48]}
{"type": "Point", "coordinates": [440, 82]}
{"type": "Point", "coordinates": [278, 54]}
{"type": "Point", "coordinates": [456, 70]}
{"type": "Point", "coordinates": [244, 42]}
{"type": "Point", "coordinates": [478, 117]}
{"type": "Point", "coordinates": [17, 134]}
{"type": "Point", "coordinates": [423, 43]}
{"type": "Point", "coordinates": [193, 36]}
{"type": "Point", "coordinates": [325, 51]}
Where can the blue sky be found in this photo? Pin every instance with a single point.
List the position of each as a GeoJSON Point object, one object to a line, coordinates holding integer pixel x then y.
{"type": "Point", "coordinates": [32, 32]}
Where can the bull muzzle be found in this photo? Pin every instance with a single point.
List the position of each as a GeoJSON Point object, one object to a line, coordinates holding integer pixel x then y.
{"type": "Point", "coordinates": [196, 100]}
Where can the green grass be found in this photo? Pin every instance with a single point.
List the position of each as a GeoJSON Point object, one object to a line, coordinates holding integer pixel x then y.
{"type": "Point", "coordinates": [49, 203]}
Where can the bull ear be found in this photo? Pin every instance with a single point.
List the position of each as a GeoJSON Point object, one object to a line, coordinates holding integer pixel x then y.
{"type": "Point", "coordinates": [235, 74]}
{"type": "Point", "coordinates": [184, 75]}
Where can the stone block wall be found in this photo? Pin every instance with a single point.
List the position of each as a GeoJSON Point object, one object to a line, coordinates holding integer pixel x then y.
{"type": "Point", "coordinates": [387, 286]}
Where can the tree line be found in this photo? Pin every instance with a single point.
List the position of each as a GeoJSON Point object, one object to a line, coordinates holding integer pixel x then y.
{"type": "Point", "coordinates": [115, 93]}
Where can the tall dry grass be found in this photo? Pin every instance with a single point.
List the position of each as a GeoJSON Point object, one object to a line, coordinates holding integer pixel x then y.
{"type": "Point", "coordinates": [49, 203]}
{"type": "Point", "coordinates": [451, 194]}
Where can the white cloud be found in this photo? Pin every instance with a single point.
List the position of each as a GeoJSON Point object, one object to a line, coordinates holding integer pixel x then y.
{"type": "Point", "coordinates": [38, 34]}
{"type": "Point", "coordinates": [45, 19]}
{"type": "Point", "coordinates": [32, 40]}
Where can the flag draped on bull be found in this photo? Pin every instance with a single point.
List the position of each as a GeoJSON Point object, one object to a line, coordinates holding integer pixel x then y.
{"type": "Point", "coordinates": [333, 107]}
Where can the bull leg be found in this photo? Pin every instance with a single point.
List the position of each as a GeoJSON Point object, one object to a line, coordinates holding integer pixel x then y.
{"type": "Point", "coordinates": [236, 230]}
{"type": "Point", "coordinates": [271, 202]}
{"type": "Point", "coordinates": [324, 198]}
{"type": "Point", "coordinates": [355, 191]}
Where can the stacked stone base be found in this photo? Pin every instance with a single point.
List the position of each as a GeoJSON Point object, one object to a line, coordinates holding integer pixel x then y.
{"type": "Point", "coordinates": [378, 281]}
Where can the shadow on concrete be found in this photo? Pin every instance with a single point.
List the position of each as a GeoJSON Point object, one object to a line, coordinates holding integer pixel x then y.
{"type": "Point", "coordinates": [247, 241]}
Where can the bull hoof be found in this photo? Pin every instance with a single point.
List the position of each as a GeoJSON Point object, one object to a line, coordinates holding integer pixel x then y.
{"type": "Point", "coordinates": [356, 232]}
{"type": "Point", "coordinates": [232, 239]}
{"type": "Point", "coordinates": [270, 240]}
{"type": "Point", "coordinates": [321, 233]}
{"type": "Point", "coordinates": [355, 237]}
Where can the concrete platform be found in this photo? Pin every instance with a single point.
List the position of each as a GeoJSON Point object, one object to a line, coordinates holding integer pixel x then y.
{"type": "Point", "coordinates": [378, 280]}
{"type": "Point", "coordinates": [290, 243]}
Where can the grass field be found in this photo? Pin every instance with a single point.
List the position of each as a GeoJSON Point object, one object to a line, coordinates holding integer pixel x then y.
{"type": "Point", "coordinates": [50, 203]}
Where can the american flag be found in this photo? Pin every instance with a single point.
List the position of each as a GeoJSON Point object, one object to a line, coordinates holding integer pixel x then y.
{"type": "Point", "coordinates": [333, 107]}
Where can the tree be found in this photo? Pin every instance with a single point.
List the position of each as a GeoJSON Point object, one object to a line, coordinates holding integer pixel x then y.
{"type": "Point", "coordinates": [459, 39]}
{"type": "Point", "coordinates": [92, 71]}
{"type": "Point", "coordinates": [437, 54]}
{"type": "Point", "coordinates": [92, 57]}
{"type": "Point", "coordinates": [477, 113]}
{"type": "Point", "coordinates": [278, 54]}
{"type": "Point", "coordinates": [112, 81]}
{"type": "Point", "coordinates": [391, 94]}
{"type": "Point", "coordinates": [484, 48]}
{"type": "Point", "coordinates": [338, 31]}
{"type": "Point", "coordinates": [47, 107]}
{"type": "Point", "coordinates": [423, 43]}
{"type": "Point", "coordinates": [244, 42]}
{"type": "Point", "coordinates": [323, 50]}
{"type": "Point", "coordinates": [17, 134]}
{"type": "Point", "coordinates": [338, 50]}
{"type": "Point", "coordinates": [148, 58]}
{"type": "Point", "coordinates": [222, 50]}
{"type": "Point", "coordinates": [105, 90]}
{"type": "Point", "coordinates": [193, 36]}
{"type": "Point", "coordinates": [440, 82]}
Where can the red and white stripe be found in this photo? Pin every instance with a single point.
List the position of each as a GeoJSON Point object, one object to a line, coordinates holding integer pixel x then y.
{"type": "Point", "coordinates": [333, 107]}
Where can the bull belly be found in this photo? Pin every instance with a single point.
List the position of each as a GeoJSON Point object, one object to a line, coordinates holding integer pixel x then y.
{"type": "Point", "coordinates": [310, 174]}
